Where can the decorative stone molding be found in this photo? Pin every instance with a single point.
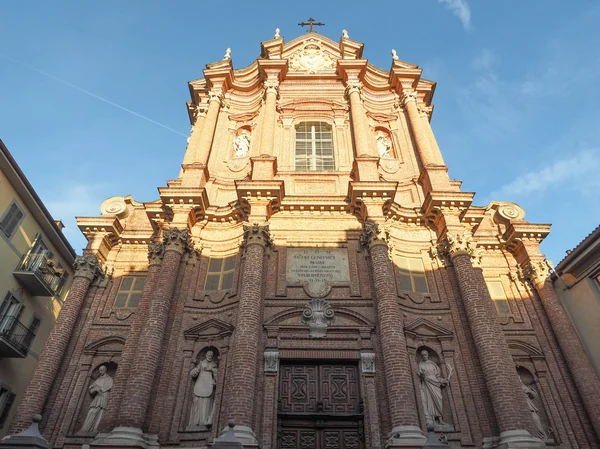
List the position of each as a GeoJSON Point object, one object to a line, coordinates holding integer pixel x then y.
{"type": "Point", "coordinates": [318, 314]}
{"type": "Point", "coordinates": [87, 266]}
{"type": "Point", "coordinates": [156, 251]}
{"type": "Point", "coordinates": [311, 58]}
{"type": "Point", "coordinates": [373, 234]}
{"type": "Point", "coordinates": [353, 86]}
{"type": "Point", "coordinates": [367, 362]}
{"type": "Point", "coordinates": [508, 211]}
{"type": "Point", "coordinates": [114, 205]}
{"type": "Point", "coordinates": [177, 240]}
{"type": "Point", "coordinates": [458, 243]}
{"type": "Point", "coordinates": [271, 86]}
{"type": "Point", "coordinates": [200, 111]}
{"type": "Point", "coordinates": [425, 111]}
{"type": "Point", "coordinates": [408, 95]}
{"type": "Point", "coordinates": [271, 361]}
{"type": "Point", "coordinates": [256, 234]}
{"type": "Point", "coordinates": [536, 271]}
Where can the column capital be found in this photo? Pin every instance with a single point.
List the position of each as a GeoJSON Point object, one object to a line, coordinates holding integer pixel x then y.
{"type": "Point", "coordinates": [257, 234]}
{"type": "Point", "coordinates": [156, 251]}
{"type": "Point", "coordinates": [271, 86]}
{"type": "Point", "coordinates": [177, 240]}
{"type": "Point", "coordinates": [407, 96]}
{"type": "Point", "coordinates": [215, 95]}
{"type": "Point", "coordinates": [200, 111]}
{"type": "Point", "coordinates": [87, 266]}
{"type": "Point", "coordinates": [373, 234]}
{"type": "Point", "coordinates": [353, 86]}
{"type": "Point", "coordinates": [456, 243]}
{"type": "Point", "coordinates": [536, 271]}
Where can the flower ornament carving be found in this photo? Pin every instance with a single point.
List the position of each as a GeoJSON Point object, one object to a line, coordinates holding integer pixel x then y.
{"type": "Point", "coordinates": [114, 205]}
{"type": "Point", "coordinates": [257, 234]}
{"type": "Point", "coordinates": [425, 110]}
{"type": "Point", "coordinates": [537, 271]}
{"type": "Point", "coordinates": [87, 266]}
{"type": "Point", "coordinates": [318, 314]}
{"type": "Point", "coordinates": [200, 111]}
{"type": "Point", "coordinates": [353, 86]}
{"type": "Point", "coordinates": [510, 211]}
{"type": "Point", "coordinates": [271, 361]}
{"type": "Point", "coordinates": [156, 251]}
{"type": "Point", "coordinates": [177, 240]}
{"type": "Point", "coordinates": [311, 58]}
{"type": "Point", "coordinates": [215, 96]}
{"type": "Point", "coordinates": [367, 362]}
{"type": "Point", "coordinates": [457, 243]}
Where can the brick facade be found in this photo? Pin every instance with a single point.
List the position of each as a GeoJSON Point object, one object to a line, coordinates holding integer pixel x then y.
{"type": "Point", "coordinates": [415, 259]}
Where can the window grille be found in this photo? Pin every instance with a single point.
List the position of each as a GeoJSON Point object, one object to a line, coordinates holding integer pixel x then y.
{"type": "Point", "coordinates": [314, 146]}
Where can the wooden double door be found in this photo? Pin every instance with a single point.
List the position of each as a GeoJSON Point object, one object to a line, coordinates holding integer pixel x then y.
{"type": "Point", "coordinates": [319, 407]}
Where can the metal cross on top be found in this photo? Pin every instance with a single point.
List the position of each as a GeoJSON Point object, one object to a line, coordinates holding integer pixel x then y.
{"type": "Point", "coordinates": [311, 23]}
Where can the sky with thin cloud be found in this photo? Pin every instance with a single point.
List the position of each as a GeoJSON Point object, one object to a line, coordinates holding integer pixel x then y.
{"type": "Point", "coordinates": [92, 94]}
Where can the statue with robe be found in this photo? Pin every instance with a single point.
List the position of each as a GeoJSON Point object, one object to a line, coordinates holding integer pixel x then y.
{"type": "Point", "coordinates": [384, 144]}
{"type": "Point", "coordinates": [241, 144]}
{"type": "Point", "coordinates": [431, 389]}
{"type": "Point", "coordinates": [531, 395]}
{"type": "Point", "coordinates": [99, 390]}
{"type": "Point", "coordinates": [205, 375]}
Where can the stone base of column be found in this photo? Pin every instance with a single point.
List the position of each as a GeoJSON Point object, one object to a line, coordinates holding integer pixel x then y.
{"type": "Point", "coordinates": [125, 437]}
{"type": "Point", "coordinates": [30, 438]}
{"type": "Point", "coordinates": [407, 437]}
{"type": "Point", "coordinates": [513, 439]}
{"type": "Point", "coordinates": [244, 434]}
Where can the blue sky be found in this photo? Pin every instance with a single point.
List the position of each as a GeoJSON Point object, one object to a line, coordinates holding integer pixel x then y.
{"type": "Point", "coordinates": [516, 106]}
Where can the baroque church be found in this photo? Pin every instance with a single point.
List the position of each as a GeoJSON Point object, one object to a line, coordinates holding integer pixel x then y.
{"type": "Point", "coordinates": [314, 275]}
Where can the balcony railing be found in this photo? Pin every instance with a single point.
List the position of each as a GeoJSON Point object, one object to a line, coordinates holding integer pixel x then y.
{"type": "Point", "coordinates": [15, 337]}
{"type": "Point", "coordinates": [39, 274]}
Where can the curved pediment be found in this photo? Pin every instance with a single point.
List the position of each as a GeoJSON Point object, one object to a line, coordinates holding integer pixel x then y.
{"type": "Point", "coordinates": [343, 317]}
{"type": "Point", "coordinates": [107, 345]}
{"type": "Point", "coordinates": [521, 348]}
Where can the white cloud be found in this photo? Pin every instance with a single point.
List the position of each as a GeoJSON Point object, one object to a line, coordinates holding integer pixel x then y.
{"type": "Point", "coordinates": [487, 60]}
{"type": "Point", "coordinates": [461, 9]}
{"type": "Point", "coordinates": [576, 172]}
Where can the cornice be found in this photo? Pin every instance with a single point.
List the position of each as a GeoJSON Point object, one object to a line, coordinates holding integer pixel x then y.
{"type": "Point", "coordinates": [523, 230]}
{"type": "Point", "coordinates": [106, 224]}
{"type": "Point", "coordinates": [435, 201]}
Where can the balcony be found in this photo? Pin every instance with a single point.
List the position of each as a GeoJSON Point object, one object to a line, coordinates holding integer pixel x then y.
{"type": "Point", "coordinates": [38, 273]}
{"type": "Point", "coordinates": [15, 337]}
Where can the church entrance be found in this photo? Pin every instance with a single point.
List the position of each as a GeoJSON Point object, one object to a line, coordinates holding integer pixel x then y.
{"type": "Point", "coordinates": [319, 406]}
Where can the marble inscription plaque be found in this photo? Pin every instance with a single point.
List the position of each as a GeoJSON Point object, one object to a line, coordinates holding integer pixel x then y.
{"type": "Point", "coordinates": [317, 268]}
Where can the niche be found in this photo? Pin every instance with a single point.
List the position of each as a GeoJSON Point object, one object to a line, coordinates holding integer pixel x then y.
{"type": "Point", "coordinates": [203, 390]}
{"type": "Point", "coordinates": [536, 406]}
{"type": "Point", "coordinates": [102, 399]}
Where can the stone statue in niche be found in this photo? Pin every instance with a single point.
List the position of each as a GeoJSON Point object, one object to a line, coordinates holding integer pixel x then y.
{"type": "Point", "coordinates": [99, 389]}
{"type": "Point", "coordinates": [205, 375]}
{"type": "Point", "coordinates": [241, 144]}
{"type": "Point", "coordinates": [431, 389]}
{"type": "Point", "coordinates": [531, 395]}
{"type": "Point", "coordinates": [384, 144]}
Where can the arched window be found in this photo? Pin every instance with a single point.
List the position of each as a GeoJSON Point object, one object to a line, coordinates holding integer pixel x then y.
{"type": "Point", "coordinates": [314, 146]}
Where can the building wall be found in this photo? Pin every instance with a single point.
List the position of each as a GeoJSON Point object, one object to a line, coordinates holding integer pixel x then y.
{"type": "Point", "coordinates": [16, 372]}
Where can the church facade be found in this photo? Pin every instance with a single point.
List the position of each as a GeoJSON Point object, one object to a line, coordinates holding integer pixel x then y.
{"type": "Point", "coordinates": [315, 275]}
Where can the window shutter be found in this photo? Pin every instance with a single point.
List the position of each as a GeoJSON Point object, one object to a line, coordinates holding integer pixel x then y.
{"type": "Point", "coordinates": [11, 220]}
{"type": "Point", "coordinates": [6, 408]}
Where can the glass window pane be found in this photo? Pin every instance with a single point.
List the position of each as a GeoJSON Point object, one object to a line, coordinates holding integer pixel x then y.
{"type": "Point", "coordinates": [416, 265]}
{"type": "Point", "coordinates": [212, 282]}
{"type": "Point", "coordinates": [139, 283]}
{"type": "Point", "coordinates": [403, 263]}
{"type": "Point", "coordinates": [121, 300]}
{"type": "Point", "coordinates": [126, 284]}
{"type": "Point", "coordinates": [227, 282]}
{"type": "Point", "coordinates": [230, 263]}
{"type": "Point", "coordinates": [134, 299]}
{"type": "Point", "coordinates": [420, 284]}
{"type": "Point", "coordinates": [502, 306]}
{"type": "Point", "coordinates": [404, 282]}
{"type": "Point", "coordinates": [215, 265]}
{"type": "Point", "coordinates": [496, 290]}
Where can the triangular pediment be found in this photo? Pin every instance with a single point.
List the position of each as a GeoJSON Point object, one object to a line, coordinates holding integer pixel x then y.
{"type": "Point", "coordinates": [422, 327]}
{"type": "Point", "coordinates": [209, 329]}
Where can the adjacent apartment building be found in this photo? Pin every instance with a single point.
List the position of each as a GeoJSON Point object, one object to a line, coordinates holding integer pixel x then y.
{"type": "Point", "coordinates": [35, 272]}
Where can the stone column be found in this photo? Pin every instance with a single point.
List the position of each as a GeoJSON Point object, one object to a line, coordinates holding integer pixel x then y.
{"type": "Point", "coordinates": [425, 113]}
{"type": "Point", "coordinates": [208, 128]}
{"type": "Point", "coordinates": [398, 377]}
{"type": "Point", "coordinates": [132, 413]}
{"type": "Point", "coordinates": [359, 123]}
{"type": "Point", "coordinates": [46, 370]}
{"type": "Point", "coordinates": [241, 383]}
{"type": "Point", "coordinates": [155, 255]}
{"type": "Point", "coordinates": [580, 367]}
{"type": "Point", "coordinates": [501, 379]}
{"type": "Point", "coordinates": [267, 139]}
{"type": "Point", "coordinates": [409, 100]}
{"type": "Point", "coordinates": [194, 141]}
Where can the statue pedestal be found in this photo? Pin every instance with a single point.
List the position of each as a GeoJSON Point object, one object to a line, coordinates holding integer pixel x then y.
{"type": "Point", "coordinates": [406, 437]}
{"type": "Point", "coordinates": [229, 439]}
{"type": "Point", "coordinates": [125, 437]}
{"type": "Point", "coordinates": [30, 438]}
